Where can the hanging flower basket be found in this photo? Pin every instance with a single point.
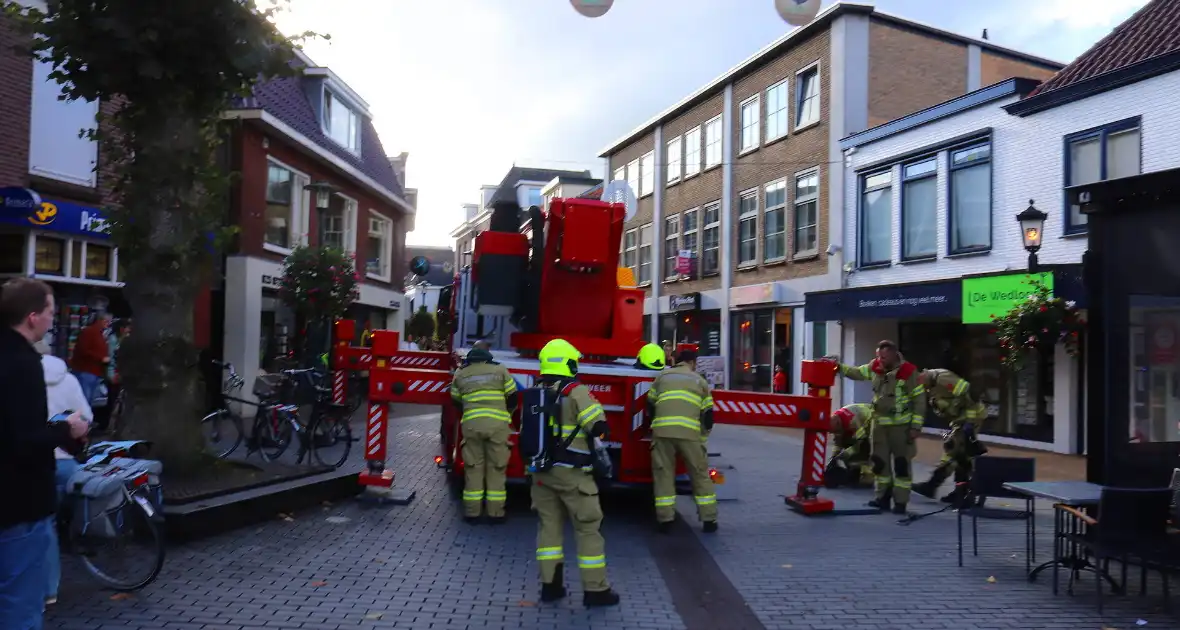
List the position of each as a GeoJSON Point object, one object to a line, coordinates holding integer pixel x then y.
{"type": "Point", "coordinates": [319, 282]}
{"type": "Point", "coordinates": [1037, 325]}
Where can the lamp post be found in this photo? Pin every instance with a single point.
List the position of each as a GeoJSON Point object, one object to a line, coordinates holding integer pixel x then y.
{"type": "Point", "coordinates": [323, 193]}
{"type": "Point", "coordinates": [1032, 227]}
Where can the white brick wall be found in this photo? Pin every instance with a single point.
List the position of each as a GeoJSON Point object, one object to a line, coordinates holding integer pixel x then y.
{"type": "Point", "coordinates": [1027, 163]}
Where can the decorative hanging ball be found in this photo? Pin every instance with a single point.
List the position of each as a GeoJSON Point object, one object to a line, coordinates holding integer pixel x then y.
{"type": "Point", "coordinates": [592, 8]}
{"type": "Point", "coordinates": [797, 12]}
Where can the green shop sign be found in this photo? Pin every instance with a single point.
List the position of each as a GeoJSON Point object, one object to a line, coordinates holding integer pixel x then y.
{"type": "Point", "coordinates": [985, 299]}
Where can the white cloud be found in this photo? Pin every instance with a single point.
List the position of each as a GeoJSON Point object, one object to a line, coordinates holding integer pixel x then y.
{"type": "Point", "coordinates": [1078, 14]}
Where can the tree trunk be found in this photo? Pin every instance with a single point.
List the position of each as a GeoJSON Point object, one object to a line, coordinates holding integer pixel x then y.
{"type": "Point", "coordinates": [163, 390]}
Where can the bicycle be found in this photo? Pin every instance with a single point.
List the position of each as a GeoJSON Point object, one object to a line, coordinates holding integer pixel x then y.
{"type": "Point", "coordinates": [222, 422]}
{"type": "Point", "coordinates": [90, 525]}
{"type": "Point", "coordinates": [277, 421]}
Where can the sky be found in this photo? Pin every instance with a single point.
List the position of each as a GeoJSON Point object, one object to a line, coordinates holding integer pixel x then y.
{"type": "Point", "coordinates": [471, 87]}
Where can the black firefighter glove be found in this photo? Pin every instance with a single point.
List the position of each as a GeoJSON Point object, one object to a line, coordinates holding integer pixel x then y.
{"type": "Point", "coordinates": [707, 420]}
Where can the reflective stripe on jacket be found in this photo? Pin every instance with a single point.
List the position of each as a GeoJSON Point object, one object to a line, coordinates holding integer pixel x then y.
{"type": "Point", "coordinates": [579, 409]}
{"type": "Point", "coordinates": [680, 396]}
{"type": "Point", "coordinates": [950, 397]}
{"type": "Point", "coordinates": [482, 388]}
{"type": "Point", "coordinates": [898, 397]}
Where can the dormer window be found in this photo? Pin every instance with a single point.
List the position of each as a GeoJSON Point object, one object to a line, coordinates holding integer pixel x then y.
{"type": "Point", "coordinates": [341, 123]}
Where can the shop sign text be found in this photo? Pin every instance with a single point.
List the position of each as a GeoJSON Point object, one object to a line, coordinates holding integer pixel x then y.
{"type": "Point", "coordinates": [985, 299]}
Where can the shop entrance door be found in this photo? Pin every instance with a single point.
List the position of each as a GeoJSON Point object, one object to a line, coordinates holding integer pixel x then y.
{"type": "Point", "coordinates": [752, 368]}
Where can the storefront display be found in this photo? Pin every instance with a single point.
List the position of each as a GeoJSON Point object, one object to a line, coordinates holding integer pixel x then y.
{"type": "Point", "coordinates": [761, 341]}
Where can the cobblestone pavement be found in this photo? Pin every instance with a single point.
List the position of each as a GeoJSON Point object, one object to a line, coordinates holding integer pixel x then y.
{"type": "Point", "coordinates": [419, 566]}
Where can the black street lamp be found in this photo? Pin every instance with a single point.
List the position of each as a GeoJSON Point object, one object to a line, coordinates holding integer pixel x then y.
{"type": "Point", "coordinates": [1032, 227]}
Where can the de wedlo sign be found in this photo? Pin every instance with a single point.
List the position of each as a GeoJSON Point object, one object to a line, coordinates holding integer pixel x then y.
{"type": "Point", "coordinates": [985, 299]}
{"type": "Point", "coordinates": [24, 207]}
{"type": "Point", "coordinates": [932, 299]}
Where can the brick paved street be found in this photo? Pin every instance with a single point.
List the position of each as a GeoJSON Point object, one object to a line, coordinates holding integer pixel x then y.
{"type": "Point", "coordinates": [419, 566]}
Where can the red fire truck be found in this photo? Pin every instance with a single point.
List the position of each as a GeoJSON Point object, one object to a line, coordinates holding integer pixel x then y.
{"type": "Point", "coordinates": [558, 277]}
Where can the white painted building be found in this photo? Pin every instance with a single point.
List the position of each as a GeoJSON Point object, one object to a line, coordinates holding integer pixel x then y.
{"type": "Point", "coordinates": [930, 210]}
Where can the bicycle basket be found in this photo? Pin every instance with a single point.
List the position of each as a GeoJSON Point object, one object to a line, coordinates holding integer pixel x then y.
{"type": "Point", "coordinates": [268, 386]}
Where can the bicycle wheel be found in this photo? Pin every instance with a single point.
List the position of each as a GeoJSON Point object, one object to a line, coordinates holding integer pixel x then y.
{"type": "Point", "coordinates": [331, 439]}
{"type": "Point", "coordinates": [273, 434]}
{"type": "Point", "coordinates": [133, 557]}
{"type": "Point", "coordinates": [223, 432]}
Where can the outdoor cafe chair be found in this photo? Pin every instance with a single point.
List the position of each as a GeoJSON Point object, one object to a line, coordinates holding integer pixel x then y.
{"type": "Point", "coordinates": [987, 482]}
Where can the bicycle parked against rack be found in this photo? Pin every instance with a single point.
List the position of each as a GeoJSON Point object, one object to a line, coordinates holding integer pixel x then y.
{"type": "Point", "coordinates": [222, 427]}
{"type": "Point", "coordinates": [327, 435]}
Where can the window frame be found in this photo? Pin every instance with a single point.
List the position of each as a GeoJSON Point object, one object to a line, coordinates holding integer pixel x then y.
{"type": "Point", "coordinates": [1102, 132]}
{"type": "Point", "coordinates": [67, 260]}
{"type": "Point", "coordinates": [720, 142]}
{"type": "Point", "coordinates": [766, 209]}
{"type": "Point", "coordinates": [330, 102]}
{"type": "Point", "coordinates": [386, 272]}
{"type": "Point", "coordinates": [950, 194]}
{"type": "Point", "coordinates": [863, 190]}
{"type": "Point", "coordinates": [714, 206]}
{"type": "Point", "coordinates": [674, 159]}
{"type": "Point", "coordinates": [693, 168]}
{"type": "Point", "coordinates": [795, 202]}
{"type": "Point", "coordinates": [649, 228]}
{"type": "Point", "coordinates": [633, 248]}
{"type": "Point", "coordinates": [800, 97]}
{"type": "Point", "coordinates": [754, 127]}
{"type": "Point", "coordinates": [743, 217]}
{"type": "Point", "coordinates": [351, 220]}
{"type": "Point", "coordinates": [935, 158]}
{"type": "Point", "coordinates": [647, 174]}
{"type": "Point", "coordinates": [785, 84]}
{"type": "Point", "coordinates": [300, 211]}
{"type": "Point", "coordinates": [695, 213]}
{"type": "Point", "coordinates": [633, 176]}
{"type": "Point", "coordinates": [671, 233]}
{"type": "Point", "coordinates": [620, 174]}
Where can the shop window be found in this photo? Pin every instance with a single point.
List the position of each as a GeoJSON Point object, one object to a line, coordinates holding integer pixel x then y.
{"type": "Point", "coordinates": [688, 231]}
{"type": "Point", "coordinates": [12, 253]}
{"type": "Point", "coordinates": [919, 210]}
{"type": "Point", "coordinates": [76, 258]}
{"type": "Point", "coordinates": [971, 200]}
{"type": "Point", "coordinates": [753, 345]}
{"type": "Point", "coordinates": [1155, 369]}
{"type": "Point", "coordinates": [819, 340]}
{"type": "Point", "coordinates": [748, 229]}
{"type": "Point", "coordinates": [876, 218]}
{"type": "Point", "coordinates": [671, 246]}
{"type": "Point", "coordinates": [50, 256]}
{"type": "Point", "coordinates": [774, 244]}
{"type": "Point", "coordinates": [711, 240]}
{"type": "Point", "coordinates": [98, 262]}
{"type": "Point", "coordinates": [806, 214]}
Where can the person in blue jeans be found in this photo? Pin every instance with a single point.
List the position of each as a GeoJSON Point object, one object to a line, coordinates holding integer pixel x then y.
{"type": "Point", "coordinates": [27, 442]}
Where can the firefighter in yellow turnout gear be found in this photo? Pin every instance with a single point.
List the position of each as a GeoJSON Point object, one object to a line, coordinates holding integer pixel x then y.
{"type": "Point", "coordinates": [568, 490]}
{"type": "Point", "coordinates": [486, 394]}
{"type": "Point", "coordinates": [950, 397]}
{"type": "Point", "coordinates": [899, 406]}
{"type": "Point", "coordinates": [852, 427]}
{"type": "Point", "coordinates": [681, 407]}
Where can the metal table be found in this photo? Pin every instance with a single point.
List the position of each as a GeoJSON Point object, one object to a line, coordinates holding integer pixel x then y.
{"type": "Point", "coordinates": [1077, 494]}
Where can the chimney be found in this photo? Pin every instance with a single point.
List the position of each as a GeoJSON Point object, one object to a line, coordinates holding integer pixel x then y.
{"type": "Point", "coordinates": [984, 34]}
{"type": "Point", "coordinates": [398, 162]}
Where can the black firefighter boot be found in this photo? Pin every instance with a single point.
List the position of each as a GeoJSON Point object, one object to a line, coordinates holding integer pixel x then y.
{"type": "Point", "coordinates": [595, 599]}
{"type": "Point", "coordinates": [956, 496]}
{"type": "Point", "coordinates": [930, 486]}
{"type": "Point", "coordinates": [555, 590]}
{"type": "Point", "coordinates": [884, 502]}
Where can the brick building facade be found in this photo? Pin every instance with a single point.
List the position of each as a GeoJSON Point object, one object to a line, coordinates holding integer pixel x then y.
{"type": "Point", "coordinates": [738, 201]}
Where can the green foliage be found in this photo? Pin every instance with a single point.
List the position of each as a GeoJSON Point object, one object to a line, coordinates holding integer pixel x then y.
{"type": "Point", "coordinates": [1037, 325]}
{"type": "Point", "coordinates": [422, 324]}
{"type": "Point", "coordinates": [320, 282]}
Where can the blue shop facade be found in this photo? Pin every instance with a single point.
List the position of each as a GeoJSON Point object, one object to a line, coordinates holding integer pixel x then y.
{"type": "Point", "coordinates": [66, 244]}
{"type": "Point", "coordinates": [941, 324]}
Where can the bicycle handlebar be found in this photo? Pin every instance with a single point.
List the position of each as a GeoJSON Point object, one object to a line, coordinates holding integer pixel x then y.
{"type": "Point", "coordinates": [297, 372]}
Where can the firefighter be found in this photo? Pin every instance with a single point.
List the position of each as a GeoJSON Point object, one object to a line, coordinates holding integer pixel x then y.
{"type": "Point", "coordinates": [899, 409]}
{"type": "Point", "coordinates": [950, 396]}
{"type": "Point", "coordinates": [651, 357]}
{"type": "Point", "coordinates": [852, 426]}
{"type": "Point", "coordinates": [681, 407]}
{"type": "Point", "coordinates": [568, 490]}
{"type": "Point", "coordinates": [486, 394]}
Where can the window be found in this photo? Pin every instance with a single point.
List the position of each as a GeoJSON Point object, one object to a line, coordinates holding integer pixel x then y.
{"type": "Point", "coordinates": [675, 158]}
{"type": "Point", "coordinates": [620, 174]}
{"type": "Point", "coordinates": [341, 123]}
{"type": "Point", "coordinates": [876, 218]}
{"type": "Point", "coordinates": [776, 111]}
{"type": "Point", "coordinates": [280, 207]}
{"type": "Point", "coordinates": [12, 253]}
{"type": "Point", "coordinates": [336, 224]}
{"type": "Point", "coordinates": [750, 123]}
{"type": "Point", "coordinates": [748, 229]}
{"type": "Point", "coordinates": [49, 256]}
{"type": "Point", "coordinates": [919, 210]}
{"type": "Point", "coordinates": [807, 214]}
{"type": "Point", "coordinates": [633, 176]}
{"type": "Point", "coordinates": [711, 239]}
{"type": "Point", "coordinates": [692, 152]}
{"type": "Point", "coordinates": [98, 261]}
{"type": "Point", "coordinates": [631, 250]}
{"type": "Point", "coordinates": [819, 340]}
{"type": "Point", "coordinates": [647, 173]}
{"type": "Point", "coordinates": [774, 239]}
{"type": "Point", "coordinates": [713, 142]}
{"type": "Point", "coordinates": [688, 231]}
{"type": "Point", "coordinates": [378, 251]}
{"type": "Point", "coordinates": [1096, 155]}
{"type": "Point", "coordinates": [807, 95]}
{"type": "Point", "coordinates": [671, 246]}
{"type": "Point", "coordinates": [534, 197]}
{"type": "Point", "coordinates": [970, 199]}
{"type": "Point", "coordinates": [645, 233]}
